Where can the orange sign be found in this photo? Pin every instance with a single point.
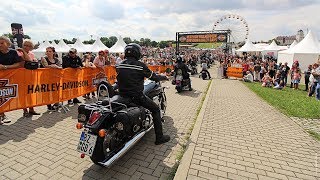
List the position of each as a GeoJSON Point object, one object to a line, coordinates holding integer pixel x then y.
{"type": "Point", "coordinates": [22, 88]}
{"type": "Point", "coordinates": [234, 72]}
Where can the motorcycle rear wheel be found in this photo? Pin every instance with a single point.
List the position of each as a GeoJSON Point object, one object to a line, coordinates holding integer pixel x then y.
{"type": "Point", "coordinates": [98, 155]}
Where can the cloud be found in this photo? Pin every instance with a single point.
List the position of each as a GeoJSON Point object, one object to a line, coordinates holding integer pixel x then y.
{"type": "Point", "coordinates": [157, 20]}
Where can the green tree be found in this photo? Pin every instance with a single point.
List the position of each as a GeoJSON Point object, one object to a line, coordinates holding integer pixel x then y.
{"type": "Point", "coordinates": [67, 41]}
{"type": "Point", "coordinates": [56, 41]}
{"type": "Point", "coordinates": [127, 40]}
{"type": "Point", "coordinates": [91, 41]}
{"type": "Point", "coordinates": [163, 44]}
{"type": "Point", "coordinates": [105, 41]}
{"type": "Point", "coordinates": [147, 42]}
{"type": "Point", "coordinates": [141, 42]}
{"type": "Point", "coordinates": [112, 40]}
{"type": "Point", "coordinates": [10, 36]}
{"type": "Point", "coordinates": [154, 43]}
{"type": "Point", "coordinates": [73, 40]}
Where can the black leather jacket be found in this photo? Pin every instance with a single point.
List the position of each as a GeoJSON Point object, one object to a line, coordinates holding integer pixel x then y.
{"type": "Point", "coordinates": [184, 68]}
{"type": "Point", "coordinates": [68, 61]}
{"type": "Point", "coordinates": [130, 77]}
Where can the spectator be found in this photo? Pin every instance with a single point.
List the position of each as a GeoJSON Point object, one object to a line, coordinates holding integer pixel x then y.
{"type": "Point", "coordinates": [296, 78]}
{"type": "Point", "coordinates": [72, 60]}
{"type": "Point", "coordinates": [248, 77]}
{"type": "Point", "coordinates": [278, 81]}
{"type": "Point", "coordinates": [266, 81]}
{"type": "Point", "coordinates": [256, 71]}
{"type": "Point", "coordinates": [286, 71]}
{"type": "Point", "coordinates": [49, 61]}
{"type": "Point", "coordinates": [99, 61]}
{"type": "Point", "coordinates": [87, 63]}
{"type": "Point", "coordinates": [316, 75]}
{"type": "Point", "coordinates": [313, 81]}
{"type": "Point", "coordinates": [27, 46]}
{"type": "Point", "coordinates": [9, 59]}
{"type": "Point", "coordinates": [307, 74]}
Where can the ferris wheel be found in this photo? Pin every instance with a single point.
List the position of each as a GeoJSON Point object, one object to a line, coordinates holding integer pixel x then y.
{"type": "Point", "coordinates": [237, 25]}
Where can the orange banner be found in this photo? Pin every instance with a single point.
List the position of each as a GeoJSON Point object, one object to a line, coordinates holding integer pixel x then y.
{"type": "Point", "coordinates": [22, 88]}
{"type": "Point", "coordinates": [234, 72]}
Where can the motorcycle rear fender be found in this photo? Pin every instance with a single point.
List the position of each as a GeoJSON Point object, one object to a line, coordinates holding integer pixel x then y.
{"type": "Point", "coordinates": [105, 121]}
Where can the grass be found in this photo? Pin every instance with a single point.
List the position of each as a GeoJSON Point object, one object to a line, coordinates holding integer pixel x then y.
{"type": "Point", "coordinates": [187, 137]}
{"type": "Point", "coordinates": [294, 103]}
{"type": "Point", "coordinates": [315, 135]}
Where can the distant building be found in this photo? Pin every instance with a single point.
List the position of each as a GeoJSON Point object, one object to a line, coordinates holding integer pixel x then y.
{"type": "Point", "coordinates": [288, 40]}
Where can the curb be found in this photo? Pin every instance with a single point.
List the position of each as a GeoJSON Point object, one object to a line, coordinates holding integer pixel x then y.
{"type": "Point", "coordinates": [184, 165]}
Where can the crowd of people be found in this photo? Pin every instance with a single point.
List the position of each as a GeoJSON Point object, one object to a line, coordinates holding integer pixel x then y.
{"type": "Point", "coordinates": [272, 74]}
{"type": "Point", "coordinates": [268, 72]}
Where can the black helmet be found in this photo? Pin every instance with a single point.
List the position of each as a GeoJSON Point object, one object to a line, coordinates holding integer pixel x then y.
{"type": "Point", "coordinates": [179, 59]}
{"type": "Point", "coordinates": [133, 50]}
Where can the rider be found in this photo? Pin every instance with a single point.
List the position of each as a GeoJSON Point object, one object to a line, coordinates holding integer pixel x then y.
{"type": "Point", "coordinates": [204, 66]}
{"type": "Point", "coordinates": [131, 74]}
{"type": "Point", "coordinates": [184, 68]}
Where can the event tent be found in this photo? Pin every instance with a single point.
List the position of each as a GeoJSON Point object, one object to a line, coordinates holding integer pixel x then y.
{"type": "Point", "coordinates": [97, 46]}
{"type": "Point", "coordinates": [272, 50]}
{"type": "Point", "coordinates": [119, 46]}
{"type": "Point", "coordinates": [41, 50]}
{"type": "Point", "coordinates": [79, 46]}
{"type": "Point", "coordinates": [62, 47]}
{"type": "Point", "coordinates": [248, 47]}
{"type": "Point", "coordinates": [54, 44]}
{"type": "Point", "coordinates": [306, 52]}
{"type": "Point", "coordinates": [293, 44]}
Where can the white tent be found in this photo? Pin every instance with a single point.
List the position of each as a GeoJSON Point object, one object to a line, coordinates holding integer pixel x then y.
{"type": "Point", "coordinates": [293, 44]}
{"type": "Point", "coordinates": [248, 47]}
{"type": "Point", "coordinates": [79, 46]}
{"type": "Point", "coordinates": [54, 44]}
{"type": "Point", "coordinates": [119, 46]}
{"type": "Point", "coordinates": [42, 47]}
{"type": "Point", "coordinates": [41, 50]}
{"type": "Point", "coordinates": [261, 46]}
{"type": "Point", "coordinates": [306, 52]}
{"type": "Point", "coordinates": [62, 46]}
{"type": "Point", "coordinates": [97, 46]}
{"type": "Point", "coordinates": [273, 49]}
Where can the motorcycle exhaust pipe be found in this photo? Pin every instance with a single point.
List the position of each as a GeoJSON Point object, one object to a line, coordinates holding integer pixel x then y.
{"type": "Point", "coordinates": [126, 148]}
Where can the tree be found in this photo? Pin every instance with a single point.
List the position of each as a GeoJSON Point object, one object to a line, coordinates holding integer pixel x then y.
{"type": "Point", "coordinates": [147, 42]}
{"type": "Point", "coordinates": [105, 41]}
{"type": "Point", "coordinates": [56, 41]}
{"type": "Point", "coordinates": [136, 41]}
{"type": "Point", "coordinates": [67, 41]}
{"type": "Point", "coordinates": [112, 40]}
{"type": "Point", "coordinates": [163, 44]}
{"type": "Point", "coordinates": [127, 40]}
{"type": "Point", "coordinates": [10, 36]}
{"type": "Point", "coordinates": [154, 44]}
{"type": "Point", "coordinates": [73, 40]}
{"type": "Point", "coordinates": [91, 41]}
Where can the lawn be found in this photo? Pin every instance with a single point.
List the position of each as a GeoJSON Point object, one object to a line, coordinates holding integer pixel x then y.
{"type": "Point", "coordinates": [293, 103]}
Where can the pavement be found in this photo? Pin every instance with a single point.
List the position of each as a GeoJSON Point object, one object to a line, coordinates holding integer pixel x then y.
{"type": "Point", "coordinates": [237, 136]}
{"type": "Point", "coordinates": [44, 147]}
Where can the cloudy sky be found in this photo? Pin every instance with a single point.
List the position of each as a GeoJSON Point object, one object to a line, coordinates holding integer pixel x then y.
{"type": "Point", "coordinates": [155, 19]}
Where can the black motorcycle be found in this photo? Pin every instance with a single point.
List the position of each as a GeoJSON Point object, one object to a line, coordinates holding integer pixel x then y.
{"type": "Point", "coordinates": [193, 69]}
{"type": "Point", "coordinates": [112, 125]}
{"type": "Point", "coordinates": [181, 84]}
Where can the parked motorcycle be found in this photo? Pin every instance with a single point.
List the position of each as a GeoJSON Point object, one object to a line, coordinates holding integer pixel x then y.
{"type": "Point", "coordinates": [112, 125]}
{"type": "Point", "coordinates": [204, 75]}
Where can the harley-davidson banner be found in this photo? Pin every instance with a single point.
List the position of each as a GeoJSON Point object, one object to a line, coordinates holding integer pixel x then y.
{"type": "Point", "coordinates": [22, 88]}
{"type": "Point", "coordinates": [203, 38]}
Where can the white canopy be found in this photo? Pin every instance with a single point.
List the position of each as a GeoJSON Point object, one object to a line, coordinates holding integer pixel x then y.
{"type": "Point", "coordinates": [62, 46]}
{"type": "Point", "coordinates": [79, 46]}
{"type": "Point", "coordinates": [273, 47]}
{"type": "Point", "coordinates": [248, 47]}
{"type": "Point", "coordinates": [293, 44]}
{"type": "Point", "coordinates": [306, 52]}
{"type": "Point", "coordinates": [97, 46]}
{"type": "Point", "coordinates": [119, 46]}
{"type": "Point", "coordinates": [54, 44]}
{"type": "Point", "coordinates": [42, 47]}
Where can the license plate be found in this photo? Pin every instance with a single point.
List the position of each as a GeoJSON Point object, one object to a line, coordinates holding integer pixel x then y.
{"type": "Point", "coordinates": [87, 143]}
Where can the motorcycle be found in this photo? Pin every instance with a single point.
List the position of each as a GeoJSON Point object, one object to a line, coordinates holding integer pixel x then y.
{"type": "Point", "coordinates": [193, 69]}
{"type": "Point", "coordinates": [112, 125]}
{"type": "Point", "coordinates": [204, 75]}
{"type": "Point", "coordinates": [181, 84]}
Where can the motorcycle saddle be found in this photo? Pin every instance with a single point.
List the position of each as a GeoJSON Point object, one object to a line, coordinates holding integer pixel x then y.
{"type": "Point", "coordinates": [119, 99]}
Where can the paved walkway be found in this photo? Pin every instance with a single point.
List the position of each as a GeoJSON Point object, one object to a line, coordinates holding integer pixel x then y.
{"type": "Point", "coordinates": [44, 147]}
{"type": "Point", "coordinates": [239, 136]}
